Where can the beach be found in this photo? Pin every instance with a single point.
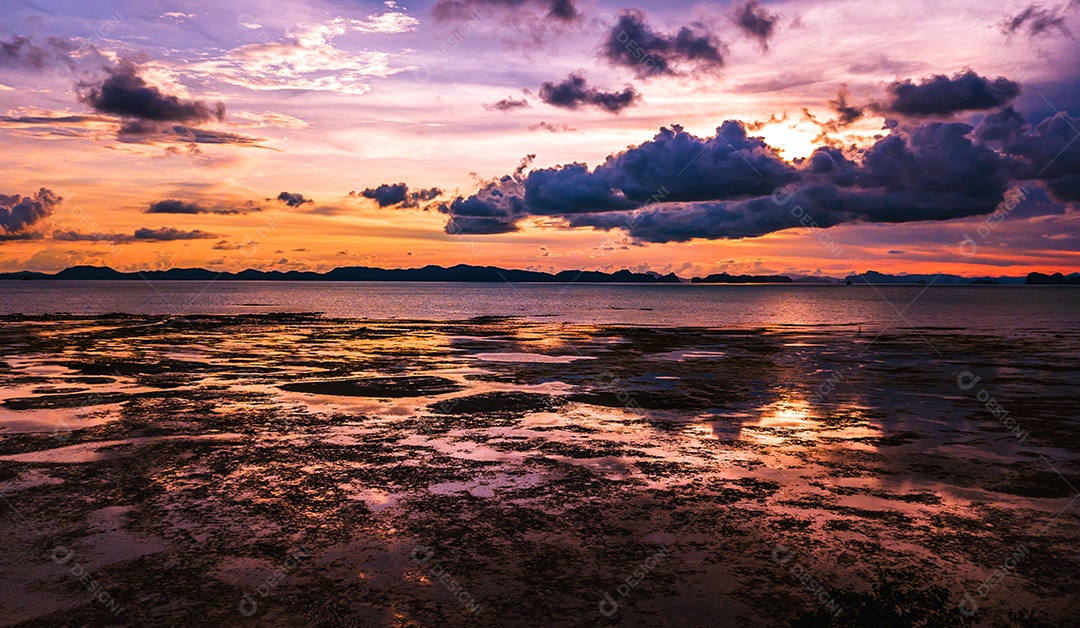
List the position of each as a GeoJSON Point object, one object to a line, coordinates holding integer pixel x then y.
{"type": "Point", "coordinates": [299, 469]}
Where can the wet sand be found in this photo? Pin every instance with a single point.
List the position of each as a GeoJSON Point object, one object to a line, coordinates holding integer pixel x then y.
{"type": "Point", "coordinates": [298, 470]}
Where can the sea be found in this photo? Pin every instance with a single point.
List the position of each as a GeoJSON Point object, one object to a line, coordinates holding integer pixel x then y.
{"type": "Point", "coordinates": [438, 454]}
{"type": "Point", "coordinates": [876, 307]}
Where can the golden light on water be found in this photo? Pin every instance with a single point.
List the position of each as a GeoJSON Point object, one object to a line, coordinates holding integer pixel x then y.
{"type": "Point", "coordinates": [785, 416]}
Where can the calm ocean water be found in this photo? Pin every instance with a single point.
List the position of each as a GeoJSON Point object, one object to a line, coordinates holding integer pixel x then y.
{"type": "Point", "coordinates": [968, 307]}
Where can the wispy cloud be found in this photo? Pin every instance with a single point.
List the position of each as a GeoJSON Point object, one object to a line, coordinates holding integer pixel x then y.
{"type": "Point", "coordinates": [306, 59]}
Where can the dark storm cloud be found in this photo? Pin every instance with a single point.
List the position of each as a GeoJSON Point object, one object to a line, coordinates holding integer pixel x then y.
{"type": "Point", "coordinates": [574, 92]}
{"type": "Point", "coordinates": [1036, 20]}
{"type": "Point", "coordinates": [756, 22]}
{"type": "Point", "coordinates": [632, 43]}
{"type": "Point", "coordinates": [292, 199]}
{"type": "Point", "coordinates": [495, 208]}
{"type": "Point", "coordinates": [21, 53]}
{"type": "Point", "coordinates": [389, 194]}
{"type": "Point", "coordinates": [1049, 153]}
{"type": "Point", "coordinates": [142, 131]}
{"type": "Point", "coordinates": [163, 234]}
{"type": "Point", "coordinates": [489, 211]}
{"type": "Point", "coordinates": [425, 195]}
{"type": "Point", "coordinates": [168, 234]}
{"type": "Point", "coordinates": [679, 187]}
{"type": "Point", "coordinates": [225, 245]}
{"type": "Point", "coordinates": [177, 206]}
{"type": "Point", "coordinates": [124, 93]}
{"type": "Point", "coordinates": [673, 166]}
{"type": "Point", "coordinates": [507, 104]}
{"type": "Point", "coordinates": [19, 215]}
{"type": "Point", "coordinates": [846, 113]}
{"type": "Point", "coordinates": [148, 115]}
{"type": "Point", "coordinates": [935, 173]}
{"type": "Point", "coordinates": [81, 236]}
{"type": "Point", "coordinates": [1001, 127]}
{"type": "Point", "coordinates": [727, 165]}
{"type": "Point", "coordinates": [557, 10]}
{"type": "Point", "coordinates": [941, 95]}
{"type": "Point", "coordinates": [563, 10]}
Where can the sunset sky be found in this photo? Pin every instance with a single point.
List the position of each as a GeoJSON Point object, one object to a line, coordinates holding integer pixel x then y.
{"type": "Point", "coordinates": [543, 134]}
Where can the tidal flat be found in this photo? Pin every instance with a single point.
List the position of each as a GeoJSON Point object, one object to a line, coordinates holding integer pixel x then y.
{"type": "Point", "coordinates": [296, 469]}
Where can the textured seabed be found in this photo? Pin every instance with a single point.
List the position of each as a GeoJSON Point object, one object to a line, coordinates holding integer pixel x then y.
{"type": "Point", "coordinates": [505, 472]}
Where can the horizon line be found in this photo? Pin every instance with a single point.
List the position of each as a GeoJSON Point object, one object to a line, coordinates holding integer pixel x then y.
{"type": "Point", "coordinates": [778, 277]}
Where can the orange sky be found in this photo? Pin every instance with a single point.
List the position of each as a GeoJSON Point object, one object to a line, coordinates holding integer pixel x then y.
{"type": "Point", "coordinates": [324, 99]}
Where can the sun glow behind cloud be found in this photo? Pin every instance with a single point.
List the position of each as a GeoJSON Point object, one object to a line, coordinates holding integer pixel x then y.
{"type": "Point", "coordinates": [790, 141]}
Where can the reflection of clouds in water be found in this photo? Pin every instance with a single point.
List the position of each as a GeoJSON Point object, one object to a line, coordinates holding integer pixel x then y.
{"type": "Point", "coordinates": [726, 423]}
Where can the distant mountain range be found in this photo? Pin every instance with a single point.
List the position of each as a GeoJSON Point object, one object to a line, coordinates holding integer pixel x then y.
{"type": "Point", "coordinates": [466, 273]}
{"type": "Point", "coordinates": [875, 277]}
{"type": "Point", "coordinates": [726, 278]}
{"type": "Point", "coordinates": [1057, 279]}
{"type": "Point", "coordinates": [461, 272]}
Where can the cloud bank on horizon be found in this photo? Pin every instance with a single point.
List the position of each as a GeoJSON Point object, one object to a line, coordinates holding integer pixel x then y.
{"type": "Point", "coordinates": [768, 113]}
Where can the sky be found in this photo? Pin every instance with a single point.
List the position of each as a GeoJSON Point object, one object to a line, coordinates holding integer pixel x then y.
{"type": "Point", "coordinates": [822, 137]}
